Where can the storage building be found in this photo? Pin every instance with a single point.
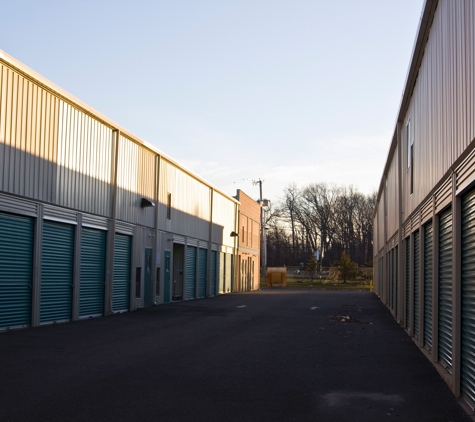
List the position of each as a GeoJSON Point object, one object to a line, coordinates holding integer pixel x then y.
{"type": "Point", "coordinates": [94, 220]}
{"type": "Point", "coordinates": [424, 221]}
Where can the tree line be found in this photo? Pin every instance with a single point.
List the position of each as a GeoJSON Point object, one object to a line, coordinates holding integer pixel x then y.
{"type": "Point", "coordinates": [329, 218]}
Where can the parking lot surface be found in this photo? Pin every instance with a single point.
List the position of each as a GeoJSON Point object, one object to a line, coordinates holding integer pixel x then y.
{"type": "Point", "coordinates": [271, 355]}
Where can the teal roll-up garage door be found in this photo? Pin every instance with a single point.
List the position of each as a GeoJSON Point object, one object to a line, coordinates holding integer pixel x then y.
{"type": "Point", "coordinates": [202, 269]}
{"type": "Point", "coordinates": [445, 289]}
{"type": "Point", "coordinates": [57, 259]}
{"type": "Point", "coordinates": [212, 270]}
{"type": "Point", "coordinates": [190, 288]}
{"type": "Point", "coordinates": [396, 281]}
{"type": "Point", "coordinates": [16, 270]}
{"type": "Point", "coordinates": [428, 285]}
{"type": "Point", "coordinates": [391, 279]}
{"type": "Point", "coordinates": [416, 283]}
{"type": "Point", "coordinates": [121, 283]}
{"type": "Point", "coordinates": [408, 281]}
{"type": "Point", "coordinates": [92, 281]}
{"type": "Point", "coordinates": [468, 297]}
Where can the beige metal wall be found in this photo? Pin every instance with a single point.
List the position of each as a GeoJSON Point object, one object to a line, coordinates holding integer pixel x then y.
{"type": "Point", "coordinates": [379, 235]}
{"type": "Point", "coordinates": [28, 137]}
{"type": "Point", "coordinates": [83, 162]}
{"type": "Point", "coordinates": [57, 150]}
{"type": "Point", "coordinates": [392, 197]}
{"type": "Point", "coordinates": [135, 180]}
{"type": "Point", "coordinates": [224, 212]}
{"type": "Point", "coordinates": [191, 199]}
{"type": "Point", "coordinates": [442, 107]}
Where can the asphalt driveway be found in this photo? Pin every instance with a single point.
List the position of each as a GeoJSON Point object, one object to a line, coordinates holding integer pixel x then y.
{"type": "Point", "coordinates": [271, 355]}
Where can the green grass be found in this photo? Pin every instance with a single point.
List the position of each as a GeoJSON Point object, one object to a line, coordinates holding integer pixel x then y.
{"type": "Point", "coordinates": [300, 282]}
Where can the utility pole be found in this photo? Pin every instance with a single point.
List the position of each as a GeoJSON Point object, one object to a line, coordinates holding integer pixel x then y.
{"type": "Point", "coordinates": [263, 230]}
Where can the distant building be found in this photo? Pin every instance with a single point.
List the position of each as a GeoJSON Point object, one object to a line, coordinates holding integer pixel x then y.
{"type": "Point", "coordinates": [247, 270]}
{"type": "Point", "coordinates": [424, 221]}
{"type": "Point", "coordinates": [93, 220]}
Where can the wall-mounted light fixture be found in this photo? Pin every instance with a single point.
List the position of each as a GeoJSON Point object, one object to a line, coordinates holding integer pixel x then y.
{"type": "Point", "coordinates": [233, 234]}
{"type": "Point", "coordinates": [170, 240]}
{"type": "Point", "coordinates": [144, 203]}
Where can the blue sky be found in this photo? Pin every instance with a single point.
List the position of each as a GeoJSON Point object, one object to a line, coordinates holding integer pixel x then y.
{"type": "Point", "coordinates": [294, 91]}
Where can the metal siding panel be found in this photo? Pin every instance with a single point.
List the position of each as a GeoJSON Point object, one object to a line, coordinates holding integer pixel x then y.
{"type": "Point", "coordinates": [223, 219]}
{"type": "Point", "coordinates": [122, 268]}
{"type": "Point", "coordinates": [56, 272]}
{"type": "Point", "coordinates": [127, 180]}
{"type": "Point", "coordinates": [445, 289]}
{"type": "Point", "coordinates": [428, 232]}
{"type": "Point", "coordinates": [468, 297]}
{"type": "Point", "coordinates": [202, 270]}
{"type": "Point", "coordinates": [442, 103]}
{"type": "Point", "coordinates": [190, 288]}
{"type": "Point", "coordinates": [84, 162]}
{"type": "Point", "coordinates": [15, 136]}
{"type": "Point", "coordinates": [416, 283]}
{"type": "Point", "coordinates": [16, 270]}
{"type": "Point", "coordinates": [92, 279]}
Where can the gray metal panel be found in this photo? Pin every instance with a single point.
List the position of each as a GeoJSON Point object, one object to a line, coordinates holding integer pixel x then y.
{"type": "Point", "coordinates": [468, 297]}
{"type": "Point", "coordinates": [57, 260]}
{"type": "Point", "coordinates": [428, 232]}
{"type": "Point", "coordinates": [445, 289]}
{"type": "Point", "coordinates": [16, 270]}
{"type": "Point", "coordinates": [92, 278]}
{"type": "Point", "coordinates": [416, 283]}
{"type": "Point", "coordinates": [443, 100]}
{"type": "Point", "coordinates": [16, 205]}
{"type": "Point", "coordinates": [124, 228]}
{"type": "Point", "coordinates": [95, 221]}
{"type": "Point", "coordinates": [28, 137]}
{"type": "Point", "coordinates": [60, 214]}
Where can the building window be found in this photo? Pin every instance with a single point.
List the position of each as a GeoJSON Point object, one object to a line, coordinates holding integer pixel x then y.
{"type": "Point", "coordinates": [169, 206]}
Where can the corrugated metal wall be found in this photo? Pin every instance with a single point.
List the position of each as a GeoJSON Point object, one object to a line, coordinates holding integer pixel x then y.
{"type": "Point", "coordinates": [28, 137]}
{"type": "Point", "coordinates": [392, 195]}
{"type": "Point", "coordinates": [83, 162]}
{"type": "Point", "coordinates": [135, 179]}
{"type": "Point", "coordinates": [190, 202]}
{"type": "Point", "coordinates": [442, 108]}
{"type": "Point", "coordinates": [223, 220]}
